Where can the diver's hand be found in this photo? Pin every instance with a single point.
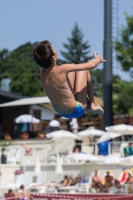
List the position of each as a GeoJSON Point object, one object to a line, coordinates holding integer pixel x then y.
{"type": "Point", "coordinates": [98, 57]}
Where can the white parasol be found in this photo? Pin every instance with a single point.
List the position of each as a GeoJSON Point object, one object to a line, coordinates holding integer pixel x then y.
{"type": "Point", "coordinates": [37, 168]}
{"type": "Point", "coordinates": [110, 159]}
{"type": "Point", "coordinates": [127, 161]}
{"type": "Point", "coordinates": [120, 128]}
{"type": "Point", "coordinates": [58, 167]}
{"type": "Point", "coordinates": [26, 119]}
{"type": "Point", "coordinates": [108, 136]}
{"type": "Point", "coordinates": [91, 132]}
{"type": "Point", "coordinates": [81, 157]}
{"type": "Point", "coordinates": [62, 134]}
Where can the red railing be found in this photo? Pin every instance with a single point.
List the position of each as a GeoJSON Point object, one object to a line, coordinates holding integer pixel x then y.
{"type": "Point", "coordinates": [75, 197]}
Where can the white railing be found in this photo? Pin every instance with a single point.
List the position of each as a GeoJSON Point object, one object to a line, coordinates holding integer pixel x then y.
{"type": "Point", "coordinates": [45, 149]}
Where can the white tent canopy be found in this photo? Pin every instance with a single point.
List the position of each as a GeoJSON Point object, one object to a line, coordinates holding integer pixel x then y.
{"type": "Point", "coordinates": [91, 132]}
{"type": "Point", "coordinates": [26, 119]}
{"type": "Point", "coordinates": [108, 136]}
{"type": "Point", "coordinates": [110, 159]}
{"type": "Point", "coordinates": [27, 101]}
{"type": "Point", "coordinates": [127, 161]}
{"type": "Point", "coordinates": [81, 157]}
{"type": "Point", "coordinates": [120, 128]}
{"type": "Point", "coordinates": [61, 134]}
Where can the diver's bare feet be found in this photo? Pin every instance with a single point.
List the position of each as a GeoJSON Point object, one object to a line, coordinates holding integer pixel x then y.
{"type": "Point", "coordinates": [95, 108]}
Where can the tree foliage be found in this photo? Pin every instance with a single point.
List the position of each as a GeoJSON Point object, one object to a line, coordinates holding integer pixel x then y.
{"type": "Point", "coordinates": [77, 50]}
{"type": "Point", "coordinates": [97, 77]}
{"type": "Point", "coordinates": [123, 99]}
{"type": "Point", "coordinates": [123, 95]}
{"type": "Point", "coordinates": [124, 46]}
{"type": "Point", "coordinates": [24, 73]}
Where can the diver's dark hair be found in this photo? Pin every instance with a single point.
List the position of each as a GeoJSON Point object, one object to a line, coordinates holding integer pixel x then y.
{"type": "Point", "coordinates": [42, 54]}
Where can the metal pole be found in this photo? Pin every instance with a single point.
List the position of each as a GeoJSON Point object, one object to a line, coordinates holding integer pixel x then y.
{"type": "Point", "coordinates": [107, 86]}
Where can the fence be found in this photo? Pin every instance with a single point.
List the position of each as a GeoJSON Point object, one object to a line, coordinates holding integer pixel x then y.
{"type": "Point", "coordinates": [74, 197]}
{"type": "Point", "coordinates": [46, 148]}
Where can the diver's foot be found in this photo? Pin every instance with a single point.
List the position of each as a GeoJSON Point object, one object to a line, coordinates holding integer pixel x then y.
{"type": "Point", "coordinates": [95, 108]}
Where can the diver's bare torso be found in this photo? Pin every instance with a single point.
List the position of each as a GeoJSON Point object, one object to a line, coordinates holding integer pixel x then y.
{"type": "Point", "coordinates": [56, 87]}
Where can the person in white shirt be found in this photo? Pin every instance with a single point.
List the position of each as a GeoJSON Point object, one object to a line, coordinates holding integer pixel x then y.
{"type": "Point", "coordinates": [54, 124]}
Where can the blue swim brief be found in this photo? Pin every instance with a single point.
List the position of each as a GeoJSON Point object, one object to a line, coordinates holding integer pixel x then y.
{"type": "Point", "coordinates": [78, 111]}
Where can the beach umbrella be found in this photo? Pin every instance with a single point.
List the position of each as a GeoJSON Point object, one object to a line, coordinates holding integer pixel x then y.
{"type": "Point", "coordinates": [61, 134]}
{"type": "Point", "coordinates": [110, 159]}
{"type": "Point", "coordinates": [120, 128]}
{"type": "Point", "coordinates": [108, 136]}
{"type": "Point", "coordinates": [91, 132]}
{"type": "Point", "coordinates": [26, 119]}
{"type": "Point", "coordinates": [127, 161]}
{"type": "Point", "coordinates": [20, 155]}
{"type": "Point", "coordinates": [37, 168]}
{"type": "Point", "coordinates": [81, 157]}
{"type": "Point", "coordinates": [58, 167]}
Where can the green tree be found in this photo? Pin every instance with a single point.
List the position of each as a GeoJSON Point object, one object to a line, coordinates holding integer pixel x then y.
{"type": "Point", "coordinates": [77, 51]}
{"type": "Point", "coordinates": [123, 100]}
{"type": "Point", "coordinates": [24, 73]}
{"type": "Point", "coordinates": [97, 77]}
{"type": "Point", "coordinates": [124, 46]}
{"type": "Point", "coordinates": [26, 81]}
{"type": "Point", "coordinates": [3, 54]}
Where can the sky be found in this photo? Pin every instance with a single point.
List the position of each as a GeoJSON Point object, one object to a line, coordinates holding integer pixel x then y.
{"type": "Point", "coordinates": [24, 21]}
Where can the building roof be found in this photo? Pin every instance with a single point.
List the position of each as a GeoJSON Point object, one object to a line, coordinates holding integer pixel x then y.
{"type": "Point", "coordinates": [36, 101]}
{"type": "Point", "coordinates": [11, 95]}
{"type": "Point", "coordinates": [27, 101]}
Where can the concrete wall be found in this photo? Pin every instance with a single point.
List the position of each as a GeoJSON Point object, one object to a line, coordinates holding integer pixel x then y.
{"type": "Point", "coordinates": [7, 174]}
{"type": "Point", "coordinates": [46, 114]}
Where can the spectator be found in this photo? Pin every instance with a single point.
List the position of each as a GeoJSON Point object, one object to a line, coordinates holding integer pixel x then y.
{"type": "Point", "coordinates": [96, 182]}
{"type": "Point", "coordinates": [74, 125]}
{"type": "Point", "coordinates": [128, 150]}
{"type": "Point", "coordinates": [122, 178]}
{"type": "Point", "coordinates": [23, 193]}
{"type": "Point", "coordinates": [15, 193]}
{"type": "Point", "coordinates": [103, 148]}
{"type": "Point", "coordinates": [67, 181]}
{"type": "Point", "coordinates": [71, 181]}
{"type": "Point", "coordinates": [77, 180]}
{"type": "Point", "coordinates": [131, 171]}
{"type": "Point", "coordinates": [76, 149]}
{"type": "Point", "coordinates": [10, 192]}
{"type": "Point", "coordinates": [64, 182]}
{"type": "Point", "coordinates": [129, 179]}
{"type": "Point", "coordinates": [54, 124]}
{"type": "Point", "coordinates": [108, 181]}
